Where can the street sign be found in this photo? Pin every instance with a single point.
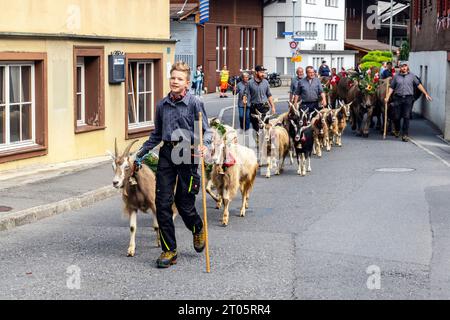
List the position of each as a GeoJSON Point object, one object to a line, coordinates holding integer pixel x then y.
{"type": "Point", "coordinates": [293, 44]}
{"type": "Point", "coordinates": [299, 39]}
{"type": "Point", "coordinates": [288, 33]}
{"type": "Point", "coordinates": [306, 34]}
{"type": "Point", "coordinates": [296, 59]}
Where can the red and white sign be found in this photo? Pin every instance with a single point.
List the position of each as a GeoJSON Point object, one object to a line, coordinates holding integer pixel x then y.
{"type": "Point", "coordinates": [293, 44]}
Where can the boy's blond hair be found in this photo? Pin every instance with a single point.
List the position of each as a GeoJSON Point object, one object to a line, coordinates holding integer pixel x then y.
{"type": "Point", "coordinates": [182, 67]}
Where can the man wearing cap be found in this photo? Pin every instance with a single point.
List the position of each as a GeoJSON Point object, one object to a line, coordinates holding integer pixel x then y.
{"type": "Point", "coordinates": [309, 91]}
{"type": "Point", "coordinates": [260, 96]}
{"type": "Point", "coordinates": [403, 86]}
{"type": "Point", "coordinates": [294, 83]}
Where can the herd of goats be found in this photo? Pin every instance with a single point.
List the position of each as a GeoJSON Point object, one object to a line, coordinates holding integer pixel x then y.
{"type": "Point", "coordinates": [233, 166]}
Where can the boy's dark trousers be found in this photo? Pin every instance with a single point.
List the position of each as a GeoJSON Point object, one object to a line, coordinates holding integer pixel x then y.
{"type": "Point", "coordinates": [402, 107]}
{"type": "Point", "coordinates": [166, 177]}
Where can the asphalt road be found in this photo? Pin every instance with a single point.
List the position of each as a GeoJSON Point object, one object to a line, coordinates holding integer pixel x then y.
{"type": "Point", "coordinates": [345, 231]}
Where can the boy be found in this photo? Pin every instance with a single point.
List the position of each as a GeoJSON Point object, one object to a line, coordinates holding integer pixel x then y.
{"type": "Point", "coordinates": [174, 124]}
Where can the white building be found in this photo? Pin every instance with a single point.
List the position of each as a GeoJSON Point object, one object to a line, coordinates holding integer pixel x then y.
{"type": "Point", "coordinates": [327, 17]}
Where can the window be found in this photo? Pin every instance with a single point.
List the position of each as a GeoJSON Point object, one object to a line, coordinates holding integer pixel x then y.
{"type": "Point", "coordinates": [254, 49]}
{"type": "Point", "coordinates": [330, 31]}
{"type": "Point", "coordinates": [17, 127]}
{"type": "Point", "coordinates": [247, 50]}
{"type": "Point", "coordinates": [140, 94]}
{"type": "Point", "coordinates": [23, 109]}
{"type": "Point", "coordinates": [317, 61]}
{"type": "Point", "coordinates": [281, 28]}
{"type": "Point", "coordinates": [311, 1]}
{"type": "Point", "coordinates": [280, 65]}
{"type": "Point", "coordinates": [331, 3]}
{"type": "Point", "coordinates": [218, 67]}
{"type": "Point", "coordinates": [339, 63]}
{"type": "Point", "coordinates": [241, 49]}
{"type": "Point", "coordinates": [89, 89]}
{"type": "Point", "coordinates": [225, 43]}
{"type": "Point", "coordinates": [143, 89]}
{"type": "Point", "coordinates": [310, 26]}
{"type": "Point", "coordinates": [290, 67]}
{"type": "Point", "coordinates": [221, 47]}
{"type": "Point", "coordinates": [80, 92]}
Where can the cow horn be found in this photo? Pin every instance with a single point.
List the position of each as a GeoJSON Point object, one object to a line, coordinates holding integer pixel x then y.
{"type": "Point", "coordinates": [116, 152]}
{"type": "Point", "coordinates": [127, 149]}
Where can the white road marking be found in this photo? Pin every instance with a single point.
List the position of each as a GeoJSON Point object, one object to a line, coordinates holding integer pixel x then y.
{"type": "Point", "coordinates": [430, 152]}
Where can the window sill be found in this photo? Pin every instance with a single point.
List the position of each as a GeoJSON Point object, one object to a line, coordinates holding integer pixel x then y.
{"type": "Point", "coordinates": [139, 132]}
{"type": "Point", "coordinates": [83, 129]}
{"type": "Point", "coordinates": [22, 153]}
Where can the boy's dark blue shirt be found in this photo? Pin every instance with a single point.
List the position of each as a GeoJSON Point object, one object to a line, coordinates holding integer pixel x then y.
{"type": "Point", "coordinates": [171, 116]}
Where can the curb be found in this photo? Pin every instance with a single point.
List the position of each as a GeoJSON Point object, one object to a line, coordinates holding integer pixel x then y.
{"type": "Point", "coordinates": [34, 214]}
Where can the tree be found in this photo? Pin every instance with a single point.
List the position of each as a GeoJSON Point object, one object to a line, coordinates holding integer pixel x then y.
{"type": "Point", "coordinates": [404, 51]}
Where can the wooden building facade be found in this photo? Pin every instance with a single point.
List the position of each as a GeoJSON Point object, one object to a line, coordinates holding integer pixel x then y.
{"type": "Point", "coordinates": [233, 36]}
{"type": "Point", "coordinates": [430, 59]}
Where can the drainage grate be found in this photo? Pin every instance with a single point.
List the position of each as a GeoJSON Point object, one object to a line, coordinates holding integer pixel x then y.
{"type": "Point", "coordinates": [5, 209]}
{"type": "Point", "coordinates": [395, 170]}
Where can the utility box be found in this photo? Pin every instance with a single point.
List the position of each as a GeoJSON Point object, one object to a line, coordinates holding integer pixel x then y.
{"type": "Point", "coordinates": [116, 68]}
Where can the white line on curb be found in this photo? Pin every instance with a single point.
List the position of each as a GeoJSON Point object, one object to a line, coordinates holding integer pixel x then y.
{"type": "Point", "coordinates": [430, 152]}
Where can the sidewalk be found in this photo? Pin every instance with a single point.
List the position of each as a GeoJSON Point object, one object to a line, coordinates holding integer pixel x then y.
{"type": "Point", "coordinates": [29, 196]}
{"type": "Point", "coordinates": [39, 193]}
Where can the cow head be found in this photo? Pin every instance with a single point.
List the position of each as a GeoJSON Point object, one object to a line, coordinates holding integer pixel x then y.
{"type": "Point", "coordinates": [369, 100]}
{"type": "Point", "coordinates": [122, 164]}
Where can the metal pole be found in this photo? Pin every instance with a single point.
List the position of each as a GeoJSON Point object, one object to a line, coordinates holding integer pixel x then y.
{"type": "Point", "coordinates": [293, 19]}
{"type": "Point", "coordinates": [390, 26]}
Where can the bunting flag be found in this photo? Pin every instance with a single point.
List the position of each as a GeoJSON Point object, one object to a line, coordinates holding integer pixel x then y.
{"type": "Point", "coordinates": [440, 16]}
{"type": "Point", "coordinates": [447, 12]}
{"type": "Point", "coordinates": [417, 9]}
{"type": "Point", "coordinates": [204, 11]}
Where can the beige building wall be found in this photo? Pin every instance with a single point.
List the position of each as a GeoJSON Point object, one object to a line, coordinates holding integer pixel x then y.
{"type": "Point", "coordinates": [117, 18]}
{"type": "Point", "coordinates": [42, 16]}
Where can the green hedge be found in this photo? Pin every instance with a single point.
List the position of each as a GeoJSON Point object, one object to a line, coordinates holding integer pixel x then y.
{"type": "Point", "coordinates": [375, 59]}
{"type": "Point", "coordinates": [377, 56]}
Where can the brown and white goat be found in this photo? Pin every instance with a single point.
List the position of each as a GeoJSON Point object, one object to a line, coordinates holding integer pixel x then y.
{"type": "Point", "coordinates": [234, 167]}
{"type": "Point", "coordinates": [343, 115]}
{"type": "Point", "coordinates": [320, 129]}
{"type": "Point", "coordinates": [332, 123]}
{"type": "Point", "coordinates": [139, 196]}
{"type": "Point", "coordinates": [275, 145]}
{"type": "Point", "coordinates": [215, 149]}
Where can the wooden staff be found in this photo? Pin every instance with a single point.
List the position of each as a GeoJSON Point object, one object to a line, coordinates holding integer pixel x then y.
{"type": "Point", "coordinates": [234, 102]}
{"type": "Point", "coordinates": [386, 110]}
{"type": "Point", "coordinates": [244, 124]}
{"type": "Point", "coordinates": [205, 216]}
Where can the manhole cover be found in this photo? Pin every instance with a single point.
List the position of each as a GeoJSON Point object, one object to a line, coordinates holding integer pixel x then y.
{"type": "Point", "coordinates": [5, 209]}
{"type": "Point", "coordinates": [395, 170]}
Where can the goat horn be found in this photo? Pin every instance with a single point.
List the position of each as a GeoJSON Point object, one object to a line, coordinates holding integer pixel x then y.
{"type": "Point", "coordinates": [127, 149]}
{"type": "Point", "coordinates": [116, 152]}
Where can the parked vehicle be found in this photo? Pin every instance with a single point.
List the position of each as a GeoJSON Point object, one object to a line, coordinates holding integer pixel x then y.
{"type": "Point", "coordinates": [274, 79]}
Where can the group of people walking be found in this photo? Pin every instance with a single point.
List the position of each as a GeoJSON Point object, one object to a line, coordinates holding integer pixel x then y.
{"type": "Point", "coordinates": [180, 109]}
